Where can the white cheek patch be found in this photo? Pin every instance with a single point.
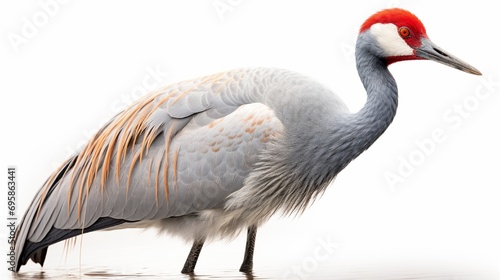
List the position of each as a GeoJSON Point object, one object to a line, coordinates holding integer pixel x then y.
{"type": "Point", "coordinates": [387, 36]}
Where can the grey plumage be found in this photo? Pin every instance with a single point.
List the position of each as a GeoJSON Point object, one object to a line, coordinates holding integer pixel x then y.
{"type": "Point", "coordinates": [206, 158]}
{"type": "Point", "coordinates": [204, 178]}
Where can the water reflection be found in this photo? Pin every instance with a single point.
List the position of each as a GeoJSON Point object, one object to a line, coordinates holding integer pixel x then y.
{"type": "Point", "coordinates": [353, 274]}
{"type": "Point", "coordinates": [110, 274]}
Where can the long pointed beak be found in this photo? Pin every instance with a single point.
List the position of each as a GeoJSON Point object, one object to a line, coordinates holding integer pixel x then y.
{"type": "Point", "coordinates": [429, 50]}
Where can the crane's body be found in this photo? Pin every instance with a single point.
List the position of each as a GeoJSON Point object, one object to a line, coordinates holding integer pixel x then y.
{"type": "Point", "coordinates": [209, 157]}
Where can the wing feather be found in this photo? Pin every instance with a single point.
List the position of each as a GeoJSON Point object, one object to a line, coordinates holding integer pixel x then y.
{"type": "Point", "coordinates": [175, 152]}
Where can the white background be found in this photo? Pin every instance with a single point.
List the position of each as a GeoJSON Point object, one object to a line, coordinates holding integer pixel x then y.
{"type": "Point", "coordinates": [89, 60]}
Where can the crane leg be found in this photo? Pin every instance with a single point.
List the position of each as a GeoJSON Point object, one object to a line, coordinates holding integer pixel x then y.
{"type": "Point", "coordinates": [192, 257]}
{"type": "Point", "coordinates": [247, 264]}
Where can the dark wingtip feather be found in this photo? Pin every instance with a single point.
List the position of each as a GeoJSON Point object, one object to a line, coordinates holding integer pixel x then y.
{"type": "Point", "coordinates": [37, 251]}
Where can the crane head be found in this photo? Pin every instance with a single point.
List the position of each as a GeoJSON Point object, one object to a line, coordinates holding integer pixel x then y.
{"type": "Point", "coordinates": [400, 36]}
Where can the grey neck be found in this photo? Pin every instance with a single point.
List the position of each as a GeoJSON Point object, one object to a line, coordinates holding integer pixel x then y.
{"type": "Point", "coordinates": [347, 139]}
{"type": "Point", "coordinates": [361, 129]}
{"type": "Point", "coordinates": [382, 97]}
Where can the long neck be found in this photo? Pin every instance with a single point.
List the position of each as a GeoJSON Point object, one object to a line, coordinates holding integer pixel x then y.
{"type": "Point", "coordinates": [361, 129]}
{"type": "Point", "coordinates": [348, 138]}
{"type": "Point", "coordinates": [382, 99]}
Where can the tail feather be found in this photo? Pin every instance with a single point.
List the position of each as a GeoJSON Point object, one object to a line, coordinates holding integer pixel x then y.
{"type": "Point", "coordinates": [24, 226]}
{"type": "Point", "coordinates": [37, 251]}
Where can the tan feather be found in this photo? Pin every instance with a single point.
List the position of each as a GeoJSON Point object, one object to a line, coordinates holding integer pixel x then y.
{"type": "Point", "coordinates": [117, 137]}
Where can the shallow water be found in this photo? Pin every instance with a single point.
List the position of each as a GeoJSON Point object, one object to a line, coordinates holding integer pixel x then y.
{"type": "Point", "coordinates": [328, 273]}
{"type": "Point", "coordinates": [126, 255]}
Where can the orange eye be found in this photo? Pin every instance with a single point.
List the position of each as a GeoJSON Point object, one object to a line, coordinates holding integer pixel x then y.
{"type": "Point", "coordinates": [404, 32]}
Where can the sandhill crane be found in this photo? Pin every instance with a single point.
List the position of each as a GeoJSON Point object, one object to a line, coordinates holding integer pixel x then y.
{"type": "Point", "coordinates": [209, 157]}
